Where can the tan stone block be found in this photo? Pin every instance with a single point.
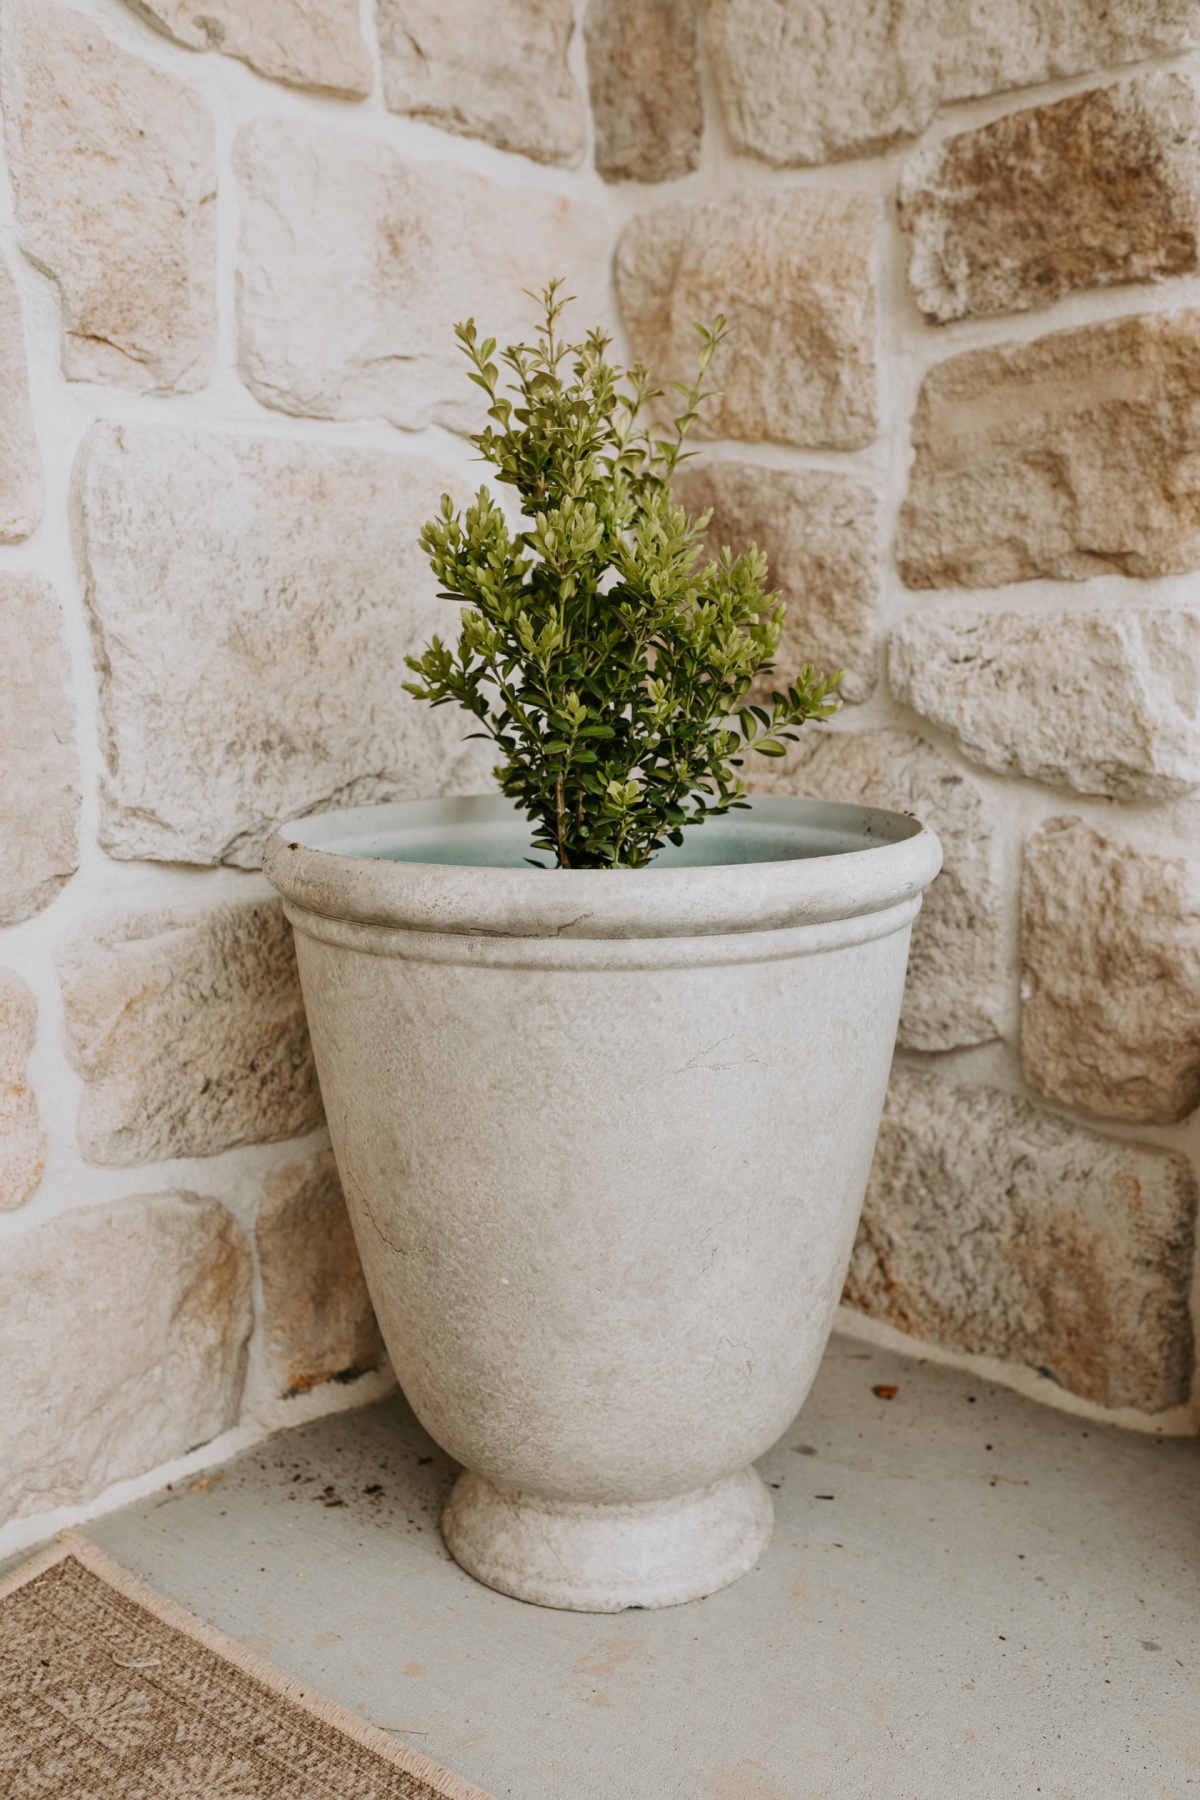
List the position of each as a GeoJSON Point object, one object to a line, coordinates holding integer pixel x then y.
{"type": "Point", "coordinates": [254, 600]}
{"type": "Point", "coordinates": [955, 990]}
{"type": "Point", "coordinates": [1100, 188]}
{"type": "Point", "coordinates": [820, 534]}
{"type": "Point", "coordinates": [1102, 702]}
{"type": "Point", "coordinates": [644, 81]}
{"type": "Point", "coordinates": [123, 1332]}
{"type": "Point", "coordinates": [1110, 947]}
{"type": "Point", "coordinates": [354, 265]}
{"type": "Point", "coordinates": [39, 794]}
{"type": "Point", "coordinates": [22, 1140]}
{"type": "Point", "coordinates": [306, 43]}
{"type": "Point", "coordinates": [189, 1033]}
{"type": "Point", "coordinates": [318, 1321]}
{"type": "Point", "coordinates": [792, 272]}
{"type": "Point", "coordinates": [1072, 456]}
{"type": "Point", "coordinates": [20, 462]}
{"type": "Point", "coordinates": [808, 83]}
{"type": "Point", "coordinates": [113, 166]}
{"type": "Point", "coordinates": [994, 1228]}
{"type": "Point", "coordinates": [502, 76]}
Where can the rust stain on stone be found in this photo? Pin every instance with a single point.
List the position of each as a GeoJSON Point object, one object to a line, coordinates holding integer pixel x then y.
{"type": "Point", "coordinates": [318, 1320]}
{"type": "Point", "coordinates": [1099, 188]}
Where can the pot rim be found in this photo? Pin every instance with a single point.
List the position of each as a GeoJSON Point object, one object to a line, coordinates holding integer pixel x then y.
{"type": "Point", "coordinates": [334, 864]}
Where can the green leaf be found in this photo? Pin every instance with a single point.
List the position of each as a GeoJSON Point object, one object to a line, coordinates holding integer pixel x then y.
{"type": "Point", "coordinates": [606, 658]}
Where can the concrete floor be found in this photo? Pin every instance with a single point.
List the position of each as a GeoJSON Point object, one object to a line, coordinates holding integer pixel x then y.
{"type": "Point", "coordinates": [967, 1595]}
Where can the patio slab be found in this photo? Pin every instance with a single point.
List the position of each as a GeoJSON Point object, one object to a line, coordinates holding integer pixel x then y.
{"type": "Point", "coordinates": [967, 1595]}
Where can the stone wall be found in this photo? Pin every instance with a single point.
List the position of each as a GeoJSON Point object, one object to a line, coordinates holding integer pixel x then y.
{"type": "Point", "coordinates": [962, 265]}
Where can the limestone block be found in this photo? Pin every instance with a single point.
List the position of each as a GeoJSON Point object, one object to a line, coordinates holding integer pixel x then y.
{"type": "Point", "coordinates": [307, 43]}
{"type": "Point", "coordinates": [354, 265]}
{"type": "Point", "coordinates": [22, 1140]}
{"type": "Point", "coordinates": [1110, 947]}
{"type": "Point", "coordinates": [955, 988]}
{"type": "Point", "coordinates": [189, 1033]}
{"type": "Point", "coordinates": [791, 271]}
{"type": "Point", "coordinates": [820, 534]}
{"type": "Point", "coordinates": [1099, 188]}
{"type": "Point", "coordinates": [113, 166]}
{"type": "Point", "coordinates": [1102, 702]}
{"type": "Point", "coordinates": [1073, 456]}
{"type": "Point", "coordinates": [317, 1316]}
{"type": "Point", "coordinates": [994, 1228]}
{"type": "Point", "coordinates": [123, 1332]}
{"type": "Point", "coordinates": [39, 793]}
{"type": "Point", "coordinates": [20, 463]}
{"type": "Point", "coordinates": [502, 76]}
{"type": "Point", "coordinates": [805, 82]}
{"type": "Point", "coordinates": [644, 80]}
{"type": "Point", "coordinates": [254, 600]}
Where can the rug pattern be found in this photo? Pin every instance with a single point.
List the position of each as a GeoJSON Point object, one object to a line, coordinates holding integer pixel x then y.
{"type": "Point", "coordinates": [102, 1700]}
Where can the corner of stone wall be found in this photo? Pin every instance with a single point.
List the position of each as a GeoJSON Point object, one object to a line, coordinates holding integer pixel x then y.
{"type": "Point", "coordinates": [960, 425]}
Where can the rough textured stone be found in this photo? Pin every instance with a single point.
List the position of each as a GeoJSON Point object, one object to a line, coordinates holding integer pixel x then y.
{"type": "Point", "coordinates": [807, 81]}
{"type": "Point", "coordinates": [993, 1228]}
{"type": "Point", "coordinates": [307, 43]}
{"type": "Point", "coordinates": [354, 263]}
{"type": "Point", "coordinates": [123, 1334]}
{"type": "Point", "coordinates": [115, 178]}
{"type": "Point", "coordinates": [254, 601]}
{"type": "Point", "coordinates": [820, 534]}
{"type": "Point", "coordinates": [1073, 456]}
{"type": "Point", "coordinates": [189, 1033]}
{"type": "Point", "coordinates": [1110, 946]}
{"type": "Point", "coordinates": [39, 795]}
{"type": "Point", "coordinates": [644, 80]}
{"type": "Point", "coordinates": [955, 989]}
{"type": "Point", "coordinates": [791, 271]}
{"type": "Point", "coordinates": [503, 76]}
{"type": "Point", "coordinates": [1105, 703]}
{"type": "Point", "coordinates": [317, 1316]}
{"type": "Point", "coordinates": [20, 463]}
{"type": "Point", "coordinates": [1100, 188]}
{"type": "Point", "coordinates": [22, 1141]}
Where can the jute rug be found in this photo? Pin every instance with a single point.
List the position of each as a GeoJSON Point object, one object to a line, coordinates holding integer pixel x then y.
{"type": "Point", "coordinates": [110, 1692]}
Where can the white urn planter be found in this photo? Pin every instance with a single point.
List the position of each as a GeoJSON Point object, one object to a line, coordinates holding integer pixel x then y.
{"type": "Point", "coordinates": [604, 1138]}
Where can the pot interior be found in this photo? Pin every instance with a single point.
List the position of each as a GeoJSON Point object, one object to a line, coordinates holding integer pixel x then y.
{"type": "Point", "coordinates": [485, 831]}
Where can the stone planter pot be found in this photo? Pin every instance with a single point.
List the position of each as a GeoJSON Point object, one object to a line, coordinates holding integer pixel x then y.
{"type": "Point", "coordinates": [604, 1138]}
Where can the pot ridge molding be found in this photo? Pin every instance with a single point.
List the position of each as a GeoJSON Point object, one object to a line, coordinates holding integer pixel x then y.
{"type": "Point", "coordinates": [335, 866]}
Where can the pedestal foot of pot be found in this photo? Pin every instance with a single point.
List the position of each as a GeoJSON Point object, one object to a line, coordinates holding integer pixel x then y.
{"type": "Point", "coordinates": [589, 1558]}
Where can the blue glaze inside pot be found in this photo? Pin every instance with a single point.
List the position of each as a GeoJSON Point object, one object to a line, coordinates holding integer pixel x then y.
{"type": "Point", "coordinates": [484, 831]}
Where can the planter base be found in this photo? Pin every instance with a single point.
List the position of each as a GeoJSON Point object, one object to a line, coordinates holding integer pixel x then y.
{"type": "Point", "coordinates": [596, 1558]}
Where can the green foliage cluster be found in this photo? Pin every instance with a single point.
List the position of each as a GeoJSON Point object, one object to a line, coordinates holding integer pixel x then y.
{"type": "Point", "coordinates": [611, 669]}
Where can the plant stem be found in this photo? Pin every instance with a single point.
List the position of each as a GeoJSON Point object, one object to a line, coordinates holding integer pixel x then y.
{"type": "Point", "coordinates": [559, 809]}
